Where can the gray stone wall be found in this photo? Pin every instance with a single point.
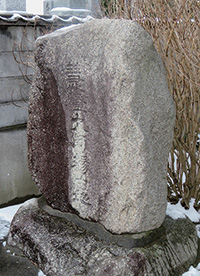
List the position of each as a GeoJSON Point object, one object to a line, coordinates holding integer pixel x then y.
{"type": "Point", "coordinates": [15, 179]}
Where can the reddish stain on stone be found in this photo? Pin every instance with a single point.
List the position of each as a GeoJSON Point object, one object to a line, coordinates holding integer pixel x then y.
{"type": "Point", "coordinates": [48, 142]}
{"type": "Point", "coordinates": [136, 263]}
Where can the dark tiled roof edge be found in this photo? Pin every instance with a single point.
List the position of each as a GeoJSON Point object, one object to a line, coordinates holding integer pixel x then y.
{"type": "Point", "coordinates": [12, 18]}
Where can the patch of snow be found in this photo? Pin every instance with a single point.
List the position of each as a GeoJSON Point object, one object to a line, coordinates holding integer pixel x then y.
{"type": "Point", "coordinates": [178, 211]}
{"type": "Point", "coordinates": [4, 228]}
{"type": "Point", "coordinates": [68, 9]}
{"type": "Point", "coordinates": [6, 215]}
{"type": "Point", "coordinates": [183, 178]}
{"type": "Point", "coordinates": [173, 212]}
{"type": "Point", "coordinates": [193, 271]}
{"type": "Point", "coordinates": [88, 18]}
{"type": "Point", "coordinates": [63, 11]}
{"type": "Point", "coordinates": [69, 20]}
{"type": "Point", "coordinates": [198, 230]}
{"type": "Point", "coordinates": [41, 273]}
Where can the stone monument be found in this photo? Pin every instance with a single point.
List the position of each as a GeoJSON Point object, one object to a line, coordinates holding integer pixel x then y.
{"type": "Point", "coordinates": [13, 5]}
{"type": "Point", "coordinates": [101, 125]}
{"type": "Point", "coordinates": [100, 128]}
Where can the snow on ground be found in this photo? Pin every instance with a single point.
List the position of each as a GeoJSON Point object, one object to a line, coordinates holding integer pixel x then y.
{"type": "Point", "coordinates": [177, 211]}
{"type": "Point", "coordinates": [174, 211]}
{"type": "Point", "coordinates": [6, 215]}
{"type": "Point", "coordinates": [8, 212]}
{"type": "Point", "coordinates": [41, 273]}
{"type": "Point", "coordinates": [192, 271]}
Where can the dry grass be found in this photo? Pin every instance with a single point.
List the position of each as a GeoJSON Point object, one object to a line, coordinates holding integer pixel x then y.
{"type": "Point", "coordinates": [23, 52]}
{"type": "Point", "coordinates": [175, 30]}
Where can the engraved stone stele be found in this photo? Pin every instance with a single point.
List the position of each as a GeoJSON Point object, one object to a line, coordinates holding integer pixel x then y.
{"type": "Point", "coordinates": [101, 125]}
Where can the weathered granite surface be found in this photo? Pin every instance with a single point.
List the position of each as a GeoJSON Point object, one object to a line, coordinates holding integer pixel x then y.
{"type": "Point", "coordinates": [61, 247]}
{"type": "Point", "coordinates": [101, 125]}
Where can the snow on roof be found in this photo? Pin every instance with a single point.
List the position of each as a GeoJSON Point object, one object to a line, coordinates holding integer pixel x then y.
{"type": "Point", "coordinates": [68, 9]}
{"type": "Point", "coordinates": [63, 11]}
{"type": "Point", "coordinates": [15, 16]}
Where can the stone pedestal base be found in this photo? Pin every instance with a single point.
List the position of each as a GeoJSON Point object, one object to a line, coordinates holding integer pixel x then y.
{"type": "Point", "coordinates": [63, 244]}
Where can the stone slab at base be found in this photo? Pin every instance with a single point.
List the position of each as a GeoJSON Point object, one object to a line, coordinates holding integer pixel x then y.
{"type": "Point", "coordinates": [61, 247]}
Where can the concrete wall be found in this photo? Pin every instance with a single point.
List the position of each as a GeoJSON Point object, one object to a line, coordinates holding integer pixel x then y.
{"type": "Point", "coordinates": [15, 180]}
